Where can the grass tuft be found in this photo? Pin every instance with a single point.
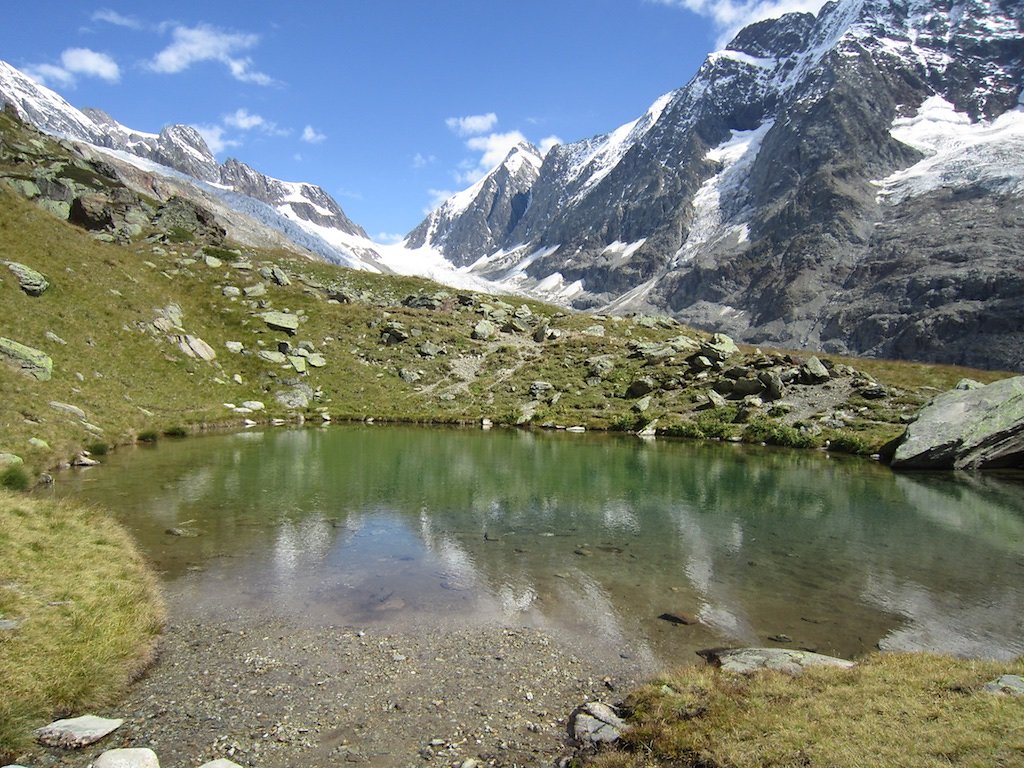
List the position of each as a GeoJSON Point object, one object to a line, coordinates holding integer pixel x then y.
{"type": "Point", "coordinates": [80, 641]}
{"type": "Point", "coordinates": [15, 479]}
{"type": "Point", "coordinates": [909, 710]}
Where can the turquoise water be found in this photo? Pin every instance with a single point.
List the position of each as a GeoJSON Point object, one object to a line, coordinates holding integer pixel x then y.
{"type": "Point", "coordinates": [591, 535]}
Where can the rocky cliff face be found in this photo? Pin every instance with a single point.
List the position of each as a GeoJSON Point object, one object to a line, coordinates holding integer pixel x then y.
{"type": "Point", "coordinates": [851, 181]}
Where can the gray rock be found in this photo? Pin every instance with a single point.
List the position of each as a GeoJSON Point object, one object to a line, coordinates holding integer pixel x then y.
{"type": "Point", "coordinates": [298, 363]}
{"type": "Point", "coordinates": [135, 757]}
{"type": "Point", "coordinates": [430, 349]}
{"type": "Point", "coordinates": [231, 291]}
{"type": "Point", "coordinates": [233, 346]}
{"type": "Point", "coordinates": [408, 376]}
{"type": "Point", "coordinates": [279, 276]}
{"type": "Point", "coordinates": [38, 442]}
{"type": "Point", "coordinates": [594, 330]}
{"type": "Point", "coordinates": [393, 332]}
{"type": "Point", "coordinates": [74, 410]}
{"type": "Point", "coordinates": [316, 360]}
{"type": "Point", "coordinates": [641, 387]}
{"type": "Point", "coordinates": [540, 389]}
{"type": "Point", "coordinates": [51, 336]}
{"type": "Point", "coordinates": [193, 346]}
{"type": "Point", "coordinates": [814, 372]}
{"type": "Point", "coordinates": [774, 389]}
{"type": "Point", "coordinates": [745, 661]}
{"type": "Point", "coordinates": [273, 356]}
{"type": "Point", "coordinates": [33, 283]}
{"type": "Point", "coordinates": [253, 405]}
{"type": "Point", "coordinates": [255, 291]}
{"type": "Point", "coordinates": [1006, 685]}
{"type": "Point", "coordinates": [967, 429]}
{"type": "Point", "coordinates": [718, 348]}
{"type": "Point", "coordinates": [600, 366]}
{"type": "Point", "coordinates": [595, 723]}
{"type": "Point", "coordinates": [281, 321]}
{"type": "Point", "coordinates": [295, 399]}
{"type": "Point", "coordinates": [484, 330]}
{"type": "Point", "coordinates": [212, 261]}
{"type": "Point", "coordinates": [31, 362]}
{"type": "Point", "coordinates": [641, 405]}
{"type": "Point", "coordinates": [77, 731]}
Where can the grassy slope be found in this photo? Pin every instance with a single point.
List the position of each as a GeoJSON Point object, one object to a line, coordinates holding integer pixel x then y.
{"type": "Point", "coordinates": [128, 378]}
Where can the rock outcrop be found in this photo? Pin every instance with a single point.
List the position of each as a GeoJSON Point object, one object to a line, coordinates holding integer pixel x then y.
{"type": "Point", "coordinates": [31, 362]}
{"type": "Point", "coordinates": [976, 428]}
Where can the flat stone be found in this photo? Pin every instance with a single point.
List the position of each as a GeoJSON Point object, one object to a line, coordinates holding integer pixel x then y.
{"type": "Point", "coordinates": [1006, 685]}
{"type": "Point", "coordinates": [279, 276]}
{"type": "Point", "coordinates": [220, 762]}
{"type": "Point", "coordinates": [298, 363]}
{"type": "Point", "coordinates": [212, 261]}
{"type": "Point", "coordinates": [281, 321]}
{"type": "Point", "coordinates": [136, 757]}
{"type": "Point", "coordinates": [746, 661]}
{"type": "Point", "coordinates": [31, 362]}
{"type": "Point", "coordinates": [316, 360]}
{"type": "Point", "coordinates": [77, 731]}
{"type": "Point", "coordinates": [234, 346]}
{"type": "Point", "coordinates": [273, 356]}
{"type": "Point", "coordinates": [74, 410]}
{"type": "Point", "coordinates": [255, 291]}
{"type": "Point", "coordinates": [193, 346]}
{"type": "Point", "coordinates": [231, 291]}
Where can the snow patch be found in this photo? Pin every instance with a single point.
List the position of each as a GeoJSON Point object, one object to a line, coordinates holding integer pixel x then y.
{"type": "Point", "coordinates": [959, 153]}
{"type": "Point", "coordinates": [710, 224]}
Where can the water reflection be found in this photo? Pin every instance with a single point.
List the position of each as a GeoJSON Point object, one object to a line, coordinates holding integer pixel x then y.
{"type": "Point", "coordinates": [594, 535]}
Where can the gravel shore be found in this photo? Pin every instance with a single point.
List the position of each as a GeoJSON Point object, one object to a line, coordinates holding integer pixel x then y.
{"type": "Point", "coordinates": [263, 693]}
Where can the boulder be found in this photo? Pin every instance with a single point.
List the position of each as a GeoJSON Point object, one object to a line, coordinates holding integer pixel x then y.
{"type": "Point", "coordinates": [641, 387]}
{"type": "Point", "coordinates": [10, 460]}
{"type": "Point", "coordinates": [979, 428]}
{"type": "Point", "coordinates": [92, 211]}
{"type": "Point", "coordinates": [595, 723]}
{"type": "Point", "coordinates": [316, 360]}
{"type": "Point", "coordinates": [33, 283]}
{"type": "Point", "coordinates": [814, 372]}
{"type": "Point", "coordinates": [484, 330]}
{"type": "Point", "coordinates": [31, 362]}
{"type": "Point", "coordinates": [193, 346]}
{"type": "Point", "coordinates": [745, 661]}
{"type": "Point", "coordinates": [127, 758]}
{"type": "Point", "coordinates": [255, 291]}
{"type": "Point", "coordinates": [279, 276]}
{"type": "Point", "coordinates": [234, 346]}
{"type": "Point", "coordinates": [74, 410]}
{"type": "Point", "coordinates": [393, 333]}
{"type": "Point", "coordinates": [77, 731]}
{"type": "Point", "coordinates": [273, 356]}
{"type": "Point", "coordinates": [1006, 685]}
{"type": "Point", "coordinates": [281, 321]}
{"type": "Point", "coordinates": [718, 348]}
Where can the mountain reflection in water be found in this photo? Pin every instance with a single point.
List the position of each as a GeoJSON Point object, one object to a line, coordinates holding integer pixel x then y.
{"type": "Point", "coordinates": [589, 534]}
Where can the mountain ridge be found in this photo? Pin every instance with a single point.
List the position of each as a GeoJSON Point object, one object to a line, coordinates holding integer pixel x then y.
{"type": "Point", "coordinates": [763, 192]}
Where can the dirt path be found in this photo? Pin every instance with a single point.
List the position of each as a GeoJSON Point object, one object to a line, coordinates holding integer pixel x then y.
{"type": "Point", "coordinates": [265, 694]}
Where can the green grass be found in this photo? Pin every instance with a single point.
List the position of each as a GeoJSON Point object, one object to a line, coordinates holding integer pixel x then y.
{"type": "Point", "coordinates": [905, 710]}
{"type": "Point", "coordinates": [80, 640]}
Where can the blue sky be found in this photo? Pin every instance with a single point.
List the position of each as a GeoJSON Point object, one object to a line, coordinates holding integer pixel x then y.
{"type": "Point", "coordinates": [387, 104]}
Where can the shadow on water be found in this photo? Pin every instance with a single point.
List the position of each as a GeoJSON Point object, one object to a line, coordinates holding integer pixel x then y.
{"type": "Point", "coordinates": [589, 534]}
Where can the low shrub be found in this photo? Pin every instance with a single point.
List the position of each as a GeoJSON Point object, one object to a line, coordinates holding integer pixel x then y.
{"type": "Point", "coordinates": [764, 430]}
{"type": "Point", "coordinates": [148, 436]}
{"type": "Point", "coordinates": [15, 479]}
{"type": "Point", "coordinates": [176, 431]}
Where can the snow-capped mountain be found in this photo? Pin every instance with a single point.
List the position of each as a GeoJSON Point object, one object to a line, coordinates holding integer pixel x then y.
{"type": "Point", "coordinates": [303, 213]}
{"type": "Point", "coordinates": [851, 180]}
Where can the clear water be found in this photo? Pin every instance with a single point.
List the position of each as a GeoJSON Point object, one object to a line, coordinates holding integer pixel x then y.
{"type": "Point", "coordinates": [423, 529]}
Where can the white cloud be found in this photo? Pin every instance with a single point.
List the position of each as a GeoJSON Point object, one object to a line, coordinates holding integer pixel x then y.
{"type": "Point", "coordinates": [82, 61]}
{"type": "Point", "coordinates": [437, 196]}
{"type": "Point", "coordinates": [420, 160]}
{"type": "Point", "coordinates": [388, 237]}
{"type": "Point", "coordinates": [117, 19]}
{"type": "Point", "coordinates": [192, 45]}
{"type": "Point", "coordinates": [74, 62]}
{"type": "Point", "coordinates": [493, 148]}
{"type": "Point", "coordinates": [215, 139]}
{"type": "Point", "coordinates": [472, 124]}
{"type": "Point", "coordinates": [728, 16]}
{"type": "Point", "coordinates": [244, 120]}
{"type": "Point", "coordinates": [547, 143]}
{"type": "Point", "coordinates": [49, 74]}
{"type": "Point", "coordinates": [311, 136]}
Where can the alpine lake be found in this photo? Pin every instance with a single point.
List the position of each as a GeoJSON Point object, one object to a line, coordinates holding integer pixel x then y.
{"type": "Point", "coordinates": [648, 549]}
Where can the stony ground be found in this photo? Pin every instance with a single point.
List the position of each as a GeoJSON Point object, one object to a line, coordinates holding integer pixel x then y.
{"type": "Point", "coordinates": [265, 694]}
